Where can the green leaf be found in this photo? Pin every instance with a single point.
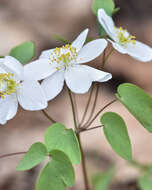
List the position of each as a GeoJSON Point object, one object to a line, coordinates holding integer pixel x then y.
{"type": "Point", "coordinates": [36, 154]}
{"type": "Point", "coordinates": [61, 39]}
{"type": "Point", "coordinates": [137, 102]}
{"type": "Point", "coordinates": [116, 10]}
{"type": "Point", "coordinates": [59, 138]}
{"type": "Point", "coordinates": [23, 52]}
{"type": "Point", "coordinates": [116, 133]}
{"type": "Point", "coordinates": [57, 174]}
{"type": "Point", "coordinates": [145, 182]}
{"type": "Point", "coordinates": [107, 5]}
{"type": "Point", "coordinates": [102, 181]}
{"type": "Point", "coordinates": [101, 30]}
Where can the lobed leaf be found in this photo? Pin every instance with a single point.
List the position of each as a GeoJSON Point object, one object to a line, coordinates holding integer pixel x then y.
{"type": "Point", "coordinates": [145, 182]}
{"type": "Point", "coordinates": [59, 138]}
{"type": "Point", "coordinates": [102, 181]}
{"type": "Point", "coordinates": [23, 52]}
{"type": "Point", "coordinates": [57, 174]}
{"type": "Point", "coordinates": [138, 103]}
{"type": "Point", "coordinates": [36, 154]}
{"type": "Point", "coordinates": [116, 133]}
{"type": "Point", "coordinates": [107, 5]}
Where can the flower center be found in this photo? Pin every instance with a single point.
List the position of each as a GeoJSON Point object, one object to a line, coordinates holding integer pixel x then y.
{"type": "Point", "coordinates": [65, 56]}
{"type": "Point", "coordinates": [124, 37]}
{"type": "Point", "coordinates": [7, 84]}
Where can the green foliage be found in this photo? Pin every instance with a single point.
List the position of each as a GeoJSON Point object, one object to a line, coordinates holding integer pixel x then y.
{"type": "Point", "coordinates": [23, 52]}
{"type": "Point", "coordinates": [145, 182]}
{"type": "Point", "coordinates": [137, 102]}
{"type": "Point", "coordinates": [116, 10]}
{"type": "Point", "coordinates": [107, 5]}
{"type": "Point", "coordinates": [59, 138]}
{"type": "Point", "coordinates": [116, 133]}
{"type": "Point", "coordinates": [101, 30]}
{"type": "Point", "coordinates": [36, 154]}
{"type": "Point", "coordinates": [61, 39]}
{"type": "Point", "coordinates": [102, 181]}
{"type": "Point", "coordinates": [57, 174]}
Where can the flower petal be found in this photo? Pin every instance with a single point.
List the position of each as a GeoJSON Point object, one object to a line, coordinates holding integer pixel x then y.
{"type": "Point", "coordinates": [80, 40]}
{"type": "Point", "coordinates": [39, 69]}
{"type": "Point", "coordinates": [91, 50]}
{"type": "Point", "coordinates": [13, 107]}
{"type": "Point", "coordinates": [46, 54]}
{"type": "Point", "coordinates": [53, 85]}
{"type": "Point", "coordinates": [4, 108]}
{"type": "Point", "coordinates": [31, 96]}
{"type": "Point", "coordinates": [77, 79]}
{"type": "Point", "coordinates": [11, 64]}
{"type": "Point", "coordinates": [97, 75]}
{"type": "Point", "coordinates": [107, 23]}
{"type": "Point", "coordinates": [2, 70]}
{"type": "Point", "coordinates": [118, 47]}
{"type": "Point", "coordinates": [140, 51]}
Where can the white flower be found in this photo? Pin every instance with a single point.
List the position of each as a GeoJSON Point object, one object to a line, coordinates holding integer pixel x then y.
{"type": "Point", "coordinates": [15, 87]}
{"type": "Point", "coordinates": [64, 63]}
{"type": "Point", "coordinates": [122, 41]}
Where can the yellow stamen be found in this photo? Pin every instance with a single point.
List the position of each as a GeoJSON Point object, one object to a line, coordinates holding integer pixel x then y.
{"type": "Point", "coordinates": [63, 56]}
{"type": "Point", "coordinates": [123, 38]}
{"type": "Point", "coordinates": [7, 84]}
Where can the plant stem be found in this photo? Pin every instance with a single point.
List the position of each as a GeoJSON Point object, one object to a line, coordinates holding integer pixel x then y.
{"type": "Point", "coordinates": [48, 116]}
{"type": "Point", "coordinates": [92, 128]}
{"type": "Point", "coordinates": [107, 56]}
{"type": "Point", "coordinates": [76, 108]}
{"type": "Point", "coordinates": [138, 165]}
{"type": "Point", "coordinates": [84, 171]}
{"type": "Point", "coordinates": [99, 113]}
{"type": "Point", "coordinates": [87, 105]}
{"type": "Point", "coordinates": [11, 154]}
{"type": "Point", "coordinates": [94, 105]}
{"type": "Point", "coordinates": [73, 109]}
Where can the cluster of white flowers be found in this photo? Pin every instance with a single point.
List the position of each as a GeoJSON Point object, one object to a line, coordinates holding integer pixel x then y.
{"type": "Point", "coordinates": [21, 84]}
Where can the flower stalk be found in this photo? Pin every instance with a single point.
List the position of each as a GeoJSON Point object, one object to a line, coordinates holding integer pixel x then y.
{"type": "Point", "coordinates": [84, 170]}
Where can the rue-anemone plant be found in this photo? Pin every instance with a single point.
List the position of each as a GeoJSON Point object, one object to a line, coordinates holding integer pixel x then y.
{"type": "Point", "coordinates": [34, 84]}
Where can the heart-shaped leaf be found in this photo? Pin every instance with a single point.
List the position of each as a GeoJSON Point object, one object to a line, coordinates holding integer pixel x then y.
{"type": "Point", "coordinates": [102, 181]}
{"type": "Point", "coordinates": [107, 5]}
{"type": "Point", "coordinates": [138, 103]}
{"type": "Point", "coordinates": [23, 52]}
{"type": "Point", "coordinates": [116, 133]}
{"type": "Point", "coordinates": [36, 154]}
{"type": "Point", "coordinates": [145, 182]}
{"type": "Point", "coordinates": [59, 138]}
{"type": "Point", "coordinates": [57, 174]}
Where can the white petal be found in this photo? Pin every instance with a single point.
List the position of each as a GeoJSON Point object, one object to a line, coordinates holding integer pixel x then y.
{"type": "Point", "coordinates": [106, 22]}
{"type": "Point", "coordinates": [2, 60]}
{"type": "Point", "coordinates": [46, 54]}
{"type": "Point", "coordinates": [13, 107]}
{"type": "Point", "coordinates": [80, 40]}
{"type": "Point", "coordinates": [31, 96]}
{"type": "Point", "coordinates": [91, 50]}
{"type": "Point", "coordinates": [118, 47]}
{"type": "Point", "coordinates": [13, 65]}
{"type": "Point", "coordinates": [4, 108]}
{"type": "Point", "coordinates": [53, 85]}
{"type": "Point", "coordinates": [77, 79]}
{"type": "Point", "coordinates": [2, 70]}
{"type": "Point", "coordinates": [97, 75]}
{"type": "Point", "coordinates": [38, 69]}
{"type": "Point", "coordinates": [140, 51]}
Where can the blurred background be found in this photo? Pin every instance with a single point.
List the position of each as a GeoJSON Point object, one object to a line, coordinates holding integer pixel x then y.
{"type": "Point", "coordinates": [38, 21]}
